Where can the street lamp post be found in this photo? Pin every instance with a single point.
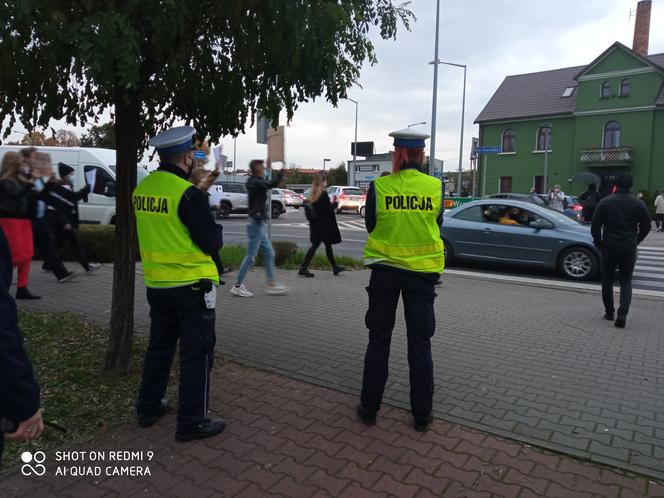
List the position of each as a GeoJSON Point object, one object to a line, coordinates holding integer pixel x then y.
{"type": "Point", "coordinates": [355, 146]}
{"type": "Point", "coordinates": [415, 124]}
{"type": "Point", "coordinates": [435, 62]}
{"type": "Point", "coordinates": [324, 162]}
{"type": "Point", "coordinates": [463, 114]}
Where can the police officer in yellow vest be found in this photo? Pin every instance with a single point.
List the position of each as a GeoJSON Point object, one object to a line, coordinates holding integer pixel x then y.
{"type": "Point", "coordinates": [405, 252]}
{"type": "Point", "coordinates": [177, 234]}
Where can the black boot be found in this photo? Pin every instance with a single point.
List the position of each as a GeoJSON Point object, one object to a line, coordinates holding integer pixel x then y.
{"type": "Point", "coordinates": [24, 293]}
{"type": "Point", "coordinates": [304, 272]}
{"type": "Point", "coordinates": [336, 269]}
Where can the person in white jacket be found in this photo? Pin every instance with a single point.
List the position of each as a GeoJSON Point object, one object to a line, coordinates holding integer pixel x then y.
{"type": "Point", "coordinates": [659, 211]}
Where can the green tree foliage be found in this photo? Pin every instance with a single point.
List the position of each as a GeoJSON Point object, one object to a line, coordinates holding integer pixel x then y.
{"type": "Point", "coordinates": [100, 136]}
{"type": "Point", "coordinates": [338, 175]}
{"type": "Point", "coordinates": [211, 64]}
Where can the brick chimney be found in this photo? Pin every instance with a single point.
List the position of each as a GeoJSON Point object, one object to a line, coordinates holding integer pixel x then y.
{"type": "Point", "coordinates": [642, 27]}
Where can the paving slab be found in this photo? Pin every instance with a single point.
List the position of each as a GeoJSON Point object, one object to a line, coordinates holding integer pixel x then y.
{"type": "Point", "coordinates": [531, 363]}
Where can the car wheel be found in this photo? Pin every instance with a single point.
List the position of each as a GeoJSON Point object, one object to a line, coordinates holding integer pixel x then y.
{"type": "Point", "coordinates": [578, 263]}
{"type": "Point", "coordinates": [296, 207]}
{"type": "Point", "coordinates": [448, 253]}
{"type": "Point", "coordinates": [223, 211]}
{"type": "Point", "coordinates": [276, 210]}
{"type": "Point", "coordinates": [362, 211]}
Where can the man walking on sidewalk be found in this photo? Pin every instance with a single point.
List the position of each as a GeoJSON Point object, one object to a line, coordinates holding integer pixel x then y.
{"type": "Point", "coordinates": [620, 223]}
{"type": "Point", "coordinates": [659, 211]}
{"type": "Point", "coordinates": [259, 202]}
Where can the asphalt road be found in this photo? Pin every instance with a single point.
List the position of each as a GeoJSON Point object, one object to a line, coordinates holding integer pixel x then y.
{"type": "Point", "coordinates": [648, 275]}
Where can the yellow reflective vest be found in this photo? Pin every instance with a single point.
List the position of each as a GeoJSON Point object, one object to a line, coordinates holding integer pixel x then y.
{"type": "Point", "coordinates": [407, 234]}
{"type": "Point", "coordinates": [170, 258]}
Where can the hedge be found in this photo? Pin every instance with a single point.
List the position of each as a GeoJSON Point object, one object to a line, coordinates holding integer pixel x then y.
{"type": "Point", "coordinates": [99, 243]}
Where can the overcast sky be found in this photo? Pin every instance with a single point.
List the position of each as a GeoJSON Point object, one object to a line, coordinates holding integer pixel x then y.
{"type": "Point", "coordinates": [494, 38]}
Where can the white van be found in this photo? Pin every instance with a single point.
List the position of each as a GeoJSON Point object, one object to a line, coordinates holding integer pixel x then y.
{"type": "Point", "coordinates": [100, 208]}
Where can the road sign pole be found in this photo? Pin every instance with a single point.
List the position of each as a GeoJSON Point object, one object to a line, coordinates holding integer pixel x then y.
{"type": "Point", "coordinates": [486, 157]}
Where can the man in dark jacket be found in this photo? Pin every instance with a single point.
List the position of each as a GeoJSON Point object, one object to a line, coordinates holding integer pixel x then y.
{"type": "Point", "coordinates": [620, 223]}
{"type": "Point", "coordinates": [259, 192]}
{"type": "Point", "coordinates": [19, 392]}
{"type": "Point", "coordinates": [589, 200]}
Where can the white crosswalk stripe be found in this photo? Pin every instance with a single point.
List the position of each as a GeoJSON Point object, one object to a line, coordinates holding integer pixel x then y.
{"type": "Point", "coordinates": [649, 269]}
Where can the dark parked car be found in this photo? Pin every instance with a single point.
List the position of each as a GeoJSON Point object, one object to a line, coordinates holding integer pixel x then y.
{"type": "Point", "coordinates": [519, 233]}
{"type": "Point", "coordinates": [573, 209]}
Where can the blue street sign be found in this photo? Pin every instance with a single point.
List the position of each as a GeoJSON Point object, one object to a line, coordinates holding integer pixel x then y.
{"type": "Point", "coordinates": [488, 149]}
{"type": "Point", "coordinates": [199, 154]}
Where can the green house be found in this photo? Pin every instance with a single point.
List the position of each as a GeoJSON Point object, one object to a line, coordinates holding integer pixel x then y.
{"type": "Point", "coordinates": [606, 118]}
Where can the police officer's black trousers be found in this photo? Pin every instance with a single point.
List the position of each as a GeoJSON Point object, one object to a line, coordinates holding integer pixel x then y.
{"type": "Point", "coordinates": [179, 313]}
{"type": "Point", "coordinates": [623, 257]}
{"type": "Point", "coordinates": [418, 297]}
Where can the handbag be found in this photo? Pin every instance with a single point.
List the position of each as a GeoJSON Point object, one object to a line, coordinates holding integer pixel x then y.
{"type": "Point", "coordinates": [310, 211]}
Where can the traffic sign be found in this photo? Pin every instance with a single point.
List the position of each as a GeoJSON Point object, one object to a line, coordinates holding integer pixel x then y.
{"type": "Point", "coordinates": [488, 149]}
{"type": "Point", "coordinates": [199, 154]}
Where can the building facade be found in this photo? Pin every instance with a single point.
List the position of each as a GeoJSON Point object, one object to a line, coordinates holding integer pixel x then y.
{"type": "Point", "coordinates": [606, 118]}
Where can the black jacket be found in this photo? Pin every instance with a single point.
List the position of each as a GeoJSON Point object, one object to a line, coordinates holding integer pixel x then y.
{"type": "Point", "coordinates": [19, 391]}
{"type": "Point", "coordinates": [323, 227]}
{"type": "Point", "coordinates": [17, 199]}
{"type": "Point", "coordinates": [63, 200]}
{"type": "Point", "coordinates": [589, 200]}
{"type": "Point", "coordinates": [257, 188]}
{"type": "Point", "coordinates": [620, 219]}
{"type": "Point", "coordinates": [194, 213]}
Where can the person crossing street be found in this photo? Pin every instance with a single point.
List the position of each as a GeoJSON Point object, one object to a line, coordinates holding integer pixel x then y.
{"type": "Point", "coordinates": [177, 236]}
{"type": "Point", "coordinates": [406, 255]}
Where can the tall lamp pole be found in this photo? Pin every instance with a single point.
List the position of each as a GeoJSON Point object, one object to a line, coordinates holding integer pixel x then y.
{"type": "Point", "coordinates": [355, 146]}
{"type": "Point", "coordinates": [547, 144]}
{"type": "Point", "coordinates": [435, 62]}
{"type": "Point", "coordinates": [463, 114]}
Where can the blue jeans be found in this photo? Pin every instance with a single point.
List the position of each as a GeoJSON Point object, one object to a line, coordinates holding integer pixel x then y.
{"type": "Point", "coordinates": [257, 233]}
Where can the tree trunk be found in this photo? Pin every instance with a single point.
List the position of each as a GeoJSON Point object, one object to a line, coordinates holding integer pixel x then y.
{"type": "Point", "coordinates": [127, 128]}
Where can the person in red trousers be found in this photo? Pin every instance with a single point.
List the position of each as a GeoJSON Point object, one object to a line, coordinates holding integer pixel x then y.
{"type": "Point", "coordinates": [17, 206]}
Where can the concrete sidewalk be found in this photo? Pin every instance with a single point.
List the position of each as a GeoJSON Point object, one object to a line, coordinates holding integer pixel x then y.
{"type": "Point", "coordinates": [531, 363]}
{"type": "Point", "coordinates": [294, 439]}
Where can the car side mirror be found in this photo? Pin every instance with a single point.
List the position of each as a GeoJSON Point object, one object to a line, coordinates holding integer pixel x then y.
{"type": "Point", "coordinates": [110, 189]}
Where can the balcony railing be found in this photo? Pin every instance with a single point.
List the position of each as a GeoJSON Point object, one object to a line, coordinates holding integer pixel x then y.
{"type": "Point", "coordinates": [616, 156]}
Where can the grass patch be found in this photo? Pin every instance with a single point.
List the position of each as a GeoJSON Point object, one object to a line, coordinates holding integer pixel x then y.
{"type": "Point", "coordinates": [67, 353]}
{"type": "Point", "coordinates": [232, 257]}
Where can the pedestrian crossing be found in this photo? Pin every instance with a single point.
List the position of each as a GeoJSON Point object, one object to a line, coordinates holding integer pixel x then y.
{"type": "Point", "coordinates": [351, 226]}
{"type": "Point", "coordinates": [649, 269]}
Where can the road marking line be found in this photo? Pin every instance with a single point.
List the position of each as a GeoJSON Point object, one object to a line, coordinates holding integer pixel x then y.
{"type": "Point", "coordinates": [547, 283]}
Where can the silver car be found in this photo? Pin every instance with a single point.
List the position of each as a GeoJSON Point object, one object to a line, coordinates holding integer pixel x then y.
{"type": "Point", "coordinates": [519, 233]}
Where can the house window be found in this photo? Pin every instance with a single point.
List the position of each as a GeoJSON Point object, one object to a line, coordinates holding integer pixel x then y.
{"type": "Point", "coordinates": [625, 88]}
{"type": "Point", "coordinates": [606, 90]}
{"type": "Point", "coordinates": [509, 141]}
{"type": "Point", "coordinates": [544, 138]}
{"type": "Point", "coordinates": [505, 184]}
{"type": "Point", "coordinates": [568, 92]}
{"type": "Point", "coordinates": [611, 135]}
{"type": "Point", "coordinates": [538, 184]}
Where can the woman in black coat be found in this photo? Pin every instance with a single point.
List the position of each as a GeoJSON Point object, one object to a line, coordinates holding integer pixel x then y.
{"type": "Point", "coordinates": [322, 226]}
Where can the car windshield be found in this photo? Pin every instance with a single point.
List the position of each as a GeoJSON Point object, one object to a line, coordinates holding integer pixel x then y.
{"type": "Point", "coordinates": [559, 218]}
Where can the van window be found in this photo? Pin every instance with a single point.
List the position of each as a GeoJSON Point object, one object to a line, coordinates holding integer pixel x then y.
{"type": "Point", "coordinates": [101, 180]}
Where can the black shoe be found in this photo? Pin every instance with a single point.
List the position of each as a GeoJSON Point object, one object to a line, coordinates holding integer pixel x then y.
{"type": "Point", "coordinates": [338, 269]}
{"type": "Point", "coordinates": [207, 428]}
{"type": "Point", "coordinates": [24, 293]}
{"type": "Point", "coordinates": [305, 273]}
{"type": "Point", "coordinates": [620, 322]}
{"type": "Point", "coordinates": [68, 276]}
{"type": "Point", "coordinates": [149, 420]}
{"type": "Point", "coordinates": [421, 425]}
{"type": "Point", "coordinates": [365, 416]}
{"type": "Point", "coordinates": [609, 316]}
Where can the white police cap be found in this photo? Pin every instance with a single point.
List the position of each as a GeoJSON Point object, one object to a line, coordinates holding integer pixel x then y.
{"type": "Point", "coordinates": [409, 138]}
{"type": "Point", "coordinates": [174, 140]}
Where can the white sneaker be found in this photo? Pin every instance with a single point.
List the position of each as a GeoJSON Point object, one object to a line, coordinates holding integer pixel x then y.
{"type": "Point", "coordinates": [276, 288]}
{"type": "Point", "coordinates": [240, 291]}
{"type": "Point", "coordinates": [92, 267]}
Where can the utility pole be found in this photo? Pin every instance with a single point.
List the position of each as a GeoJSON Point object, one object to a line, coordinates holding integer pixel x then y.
{"type": "Point", "coordinates": [432, 149]}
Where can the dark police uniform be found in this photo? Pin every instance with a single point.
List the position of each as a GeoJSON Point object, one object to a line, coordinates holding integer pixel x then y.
{"type": "Point", "coordinates": [405, 253]}
{"type": "Point", "coordinates": [177, 234]}
{"type": "Point", "coordinates": [19, 391]}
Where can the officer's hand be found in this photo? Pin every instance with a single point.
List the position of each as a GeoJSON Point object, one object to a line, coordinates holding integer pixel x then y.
{"type": "Point", "coordinates": [30, 428]}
